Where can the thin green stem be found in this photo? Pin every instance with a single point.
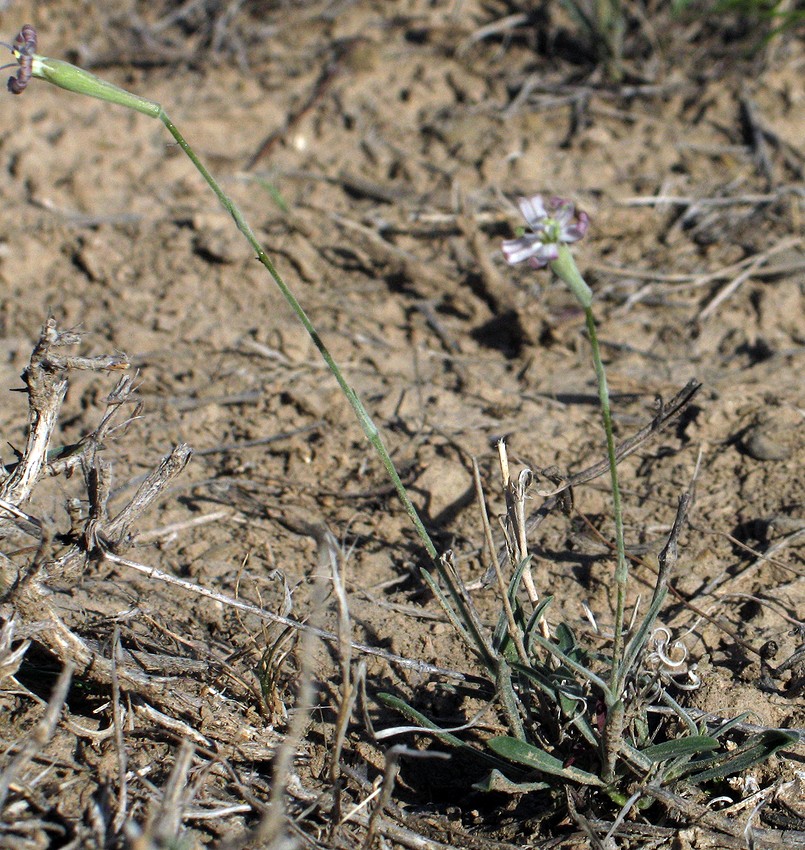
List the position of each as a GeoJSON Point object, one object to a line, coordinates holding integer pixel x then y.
{"type": "Point", "coordinates": [366, 421]}
{"type": "Point", "coordinates": [565, 268]}
{"type": "Point", "coordinates": [613, 729]}
{"type": "Point", "coordinates": [621, 567]}
{"type": "Point", "coordinates": [74, 79]}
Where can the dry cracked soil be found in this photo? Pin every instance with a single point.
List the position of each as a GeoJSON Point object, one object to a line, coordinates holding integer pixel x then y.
{"type": "Point", "coordinates": [378, 149]}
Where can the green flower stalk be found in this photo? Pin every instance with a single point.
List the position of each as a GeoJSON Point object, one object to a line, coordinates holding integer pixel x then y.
{"type": "Point", "coordinates": [553, 226]}
{"type": "Point", "coordinates": [69, 77]}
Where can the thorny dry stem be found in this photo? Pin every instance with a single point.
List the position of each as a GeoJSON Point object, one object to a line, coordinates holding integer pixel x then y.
{"type": "Point", "coordinates": [46, 383]}
{"type": "Point", "coordinates": [29, 607]}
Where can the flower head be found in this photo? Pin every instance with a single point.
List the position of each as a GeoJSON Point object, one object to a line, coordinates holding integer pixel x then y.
{"type": "Point", "coordinates": [551, 225]}
{"type": "Point", "coordinates": [66, 76]}
{"type": "Point", "coordinates": [23, 50]}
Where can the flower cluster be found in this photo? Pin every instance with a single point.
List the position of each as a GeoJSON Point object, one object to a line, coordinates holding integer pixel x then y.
{"type": "Point", "coordinates": [551, 225]}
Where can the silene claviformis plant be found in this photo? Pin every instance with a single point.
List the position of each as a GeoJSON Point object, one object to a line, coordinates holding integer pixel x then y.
{"type": "Point", "coordinates": [599, 715]}
{"type": "Point", "coordinates": [576, 715]}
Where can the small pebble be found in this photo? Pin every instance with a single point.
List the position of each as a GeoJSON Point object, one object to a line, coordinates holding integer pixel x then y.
{"type": "Point", "coordinates": [763, 445]}
{"type": "Point", "coordinates": [217, 246]}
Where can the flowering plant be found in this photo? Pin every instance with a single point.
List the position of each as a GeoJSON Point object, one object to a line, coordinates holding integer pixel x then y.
{"type": "Point", "coordinates": [554, 225]}
{"type": "Point", "coordinates": [551, 225]}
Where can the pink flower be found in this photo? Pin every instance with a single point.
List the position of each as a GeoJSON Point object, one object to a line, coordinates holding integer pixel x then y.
{"type": "Point", "coordinates": [551, 225]}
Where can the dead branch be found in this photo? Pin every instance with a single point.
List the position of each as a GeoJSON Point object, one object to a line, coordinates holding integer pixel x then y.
{"type": "Point", "coordinates": [666, 413]}
{"type": "Point", "coordinates": [46, 381]}
{"type": "Point", "coordinates": [28, 594]}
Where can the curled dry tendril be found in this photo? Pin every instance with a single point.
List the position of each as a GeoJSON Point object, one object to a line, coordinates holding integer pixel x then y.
{"type": "Point", "coordinates": [23, 49]}
{"type": "Point", "coordinates": [668, 659]}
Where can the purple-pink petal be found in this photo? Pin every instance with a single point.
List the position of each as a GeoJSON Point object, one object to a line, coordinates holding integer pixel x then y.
{"type": "Point", "coordinates": [546, 254]}
{"type": "Point", "coordinates": [574, 232]}
{"type": "Point", "coordinates": [533, 210]}
{"type": "Point", "coordinates": [551, 224]}
{"type": "Point", "coordinates": [517, 250]}
{"type": "Point", "coordinates": [582, 221]}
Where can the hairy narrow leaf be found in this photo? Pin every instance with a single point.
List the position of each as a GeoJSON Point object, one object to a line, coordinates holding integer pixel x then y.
{"type": "Point", "coordinates": [577, 668]}
{"type": "Point", "coordinates": [534, 620]}
{"type": "Point", "coordinates": [445, 737]}
{"type": "Point", "coordinates": [755, 750]}
{"type": "Point", "coordinates": [727, 725]}
{"type": "Point", "coordinates": [569, 696]}
{"type": "Point", "coordinates": [680, 712]}
{"type": "Point", "coordinates": [680, 747]}
{"type": "Point", "coordinates": [528, 755]}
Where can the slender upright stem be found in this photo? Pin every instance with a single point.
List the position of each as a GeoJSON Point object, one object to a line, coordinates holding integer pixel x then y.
{"type": "Point", "coordinates": [69, 77]}
{"type": "Point", "coordinates": [613, 729]}
{"type": "Point", "coordinates": [565, 268]}
{"type": "Point", "coordinates": [621, 567]}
